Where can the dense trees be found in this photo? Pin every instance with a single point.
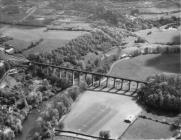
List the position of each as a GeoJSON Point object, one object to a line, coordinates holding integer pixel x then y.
{"type": "Point", "coordinates": [16, 102]}
{"type": "Point", "coordinates": [50, 118]}
{"type": "Point", "coordinates": [162, 92]}
{"type": "Point", "coordinates": [73, 54]}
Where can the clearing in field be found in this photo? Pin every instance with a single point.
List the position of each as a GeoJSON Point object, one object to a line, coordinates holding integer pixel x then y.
{"type": "Point", "coordinates": [96, 111]}
{"type": "Point", "coordinates": [141, 67]}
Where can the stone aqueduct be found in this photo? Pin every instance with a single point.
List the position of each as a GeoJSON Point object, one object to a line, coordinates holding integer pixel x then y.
{"type": "Point", "coordinates": [97, 80]}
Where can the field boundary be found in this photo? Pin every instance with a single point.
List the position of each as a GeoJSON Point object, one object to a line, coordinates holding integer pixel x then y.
{"type": "Point", "coordinates": [80, 134]}
{"type": "Point", "coordinates": [21, 24]}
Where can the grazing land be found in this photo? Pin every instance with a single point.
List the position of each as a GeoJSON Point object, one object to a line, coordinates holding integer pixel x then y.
{"type": "Point", "coordinates": [23, 37]}
{"type": "Point", "coordinates": [140, 67]}
{"type": "Point", "coordinates": [88, 36]}
{"type": "Point", "coordinates": [161, 36]}
{"type": "Point", "coordinates": [96, 111]}
{"type": "Point", "coordinates": [148, 129]}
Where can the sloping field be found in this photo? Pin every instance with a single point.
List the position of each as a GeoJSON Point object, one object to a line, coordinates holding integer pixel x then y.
{"type": "Point", "coordinates": [29, 34]}
{"type": "Point", "coordinates": [147, 129]}
{"type": "Point", "coordinates": [96, 111]}
{"type": "Point", "coordinates": [140, 67]}
{"type": "Point", "coordinates": [160, 35]}
{"type": "Point", "coordinates": [52, 39]}
{"type": "Point", "coordinates": [46, 46]}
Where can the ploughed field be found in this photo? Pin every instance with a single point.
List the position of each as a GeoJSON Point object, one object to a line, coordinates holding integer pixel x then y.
{"type": "Point", "coordinates": [143, 66]}
{"type": "Point", "coordinates": [96, 111]}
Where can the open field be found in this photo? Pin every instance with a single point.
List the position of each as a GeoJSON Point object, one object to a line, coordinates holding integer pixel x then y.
{"type": "Point", "coordinates": [96, 111]}
{"type": "Point", "coordinates": [22, 38]}
{"type": "Point", "coordinates": [147, 129]}
{"type": "Point", "coordinates": [161, 36]}
{"type": "Point", "coordinates": [30, 34]}
{"type": "Point", "coordinates": [140, 67]}
{"type": "Point", "coordinates": [46, 46]}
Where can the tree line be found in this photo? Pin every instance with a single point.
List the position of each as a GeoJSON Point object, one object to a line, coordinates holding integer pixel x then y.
{"type": "Point", "coordinates": [162, 92]}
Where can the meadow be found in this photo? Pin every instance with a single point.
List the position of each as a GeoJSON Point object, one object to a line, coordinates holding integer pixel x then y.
{"type": "Point", "coordinates": [147, 129]}
{"type": "Point", "coordinates": [141, 67]}
{"type": "Point", "coordinates": [160, 36]}
{"type": "Point", "coordinates": [23, 37]}
{"type": "Point", "coordinates": [96, 111]}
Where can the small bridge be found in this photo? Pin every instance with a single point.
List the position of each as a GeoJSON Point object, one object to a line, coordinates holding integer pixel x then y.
{"type": "Point", "coordinates": [95, 81]}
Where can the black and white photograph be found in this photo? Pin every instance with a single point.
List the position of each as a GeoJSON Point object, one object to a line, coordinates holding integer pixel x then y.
{"type": "Point", "coordinates": [90, 69]}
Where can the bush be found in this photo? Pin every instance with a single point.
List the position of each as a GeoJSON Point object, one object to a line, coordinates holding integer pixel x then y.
{"type": "Point", "coordinates": [104, 134]}
{"type": "Point", "coordinates": [82, 86]}
{"type": "Point", "coordinates": [135, 52]}
{"type": "Point", "coordinates": [60, 125]}
{"type": "Point", "coordinates": [140, 40]}
{"type": "Point", "coordinates": [89, 79]}
{"type": "Point", "coordinates": [73, 92]}
{"type": "Point", "coordinates": [162, 92]}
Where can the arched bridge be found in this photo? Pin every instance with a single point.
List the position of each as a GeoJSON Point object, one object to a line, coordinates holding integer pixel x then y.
{"type": "Point", "coordinates": [95, 81]}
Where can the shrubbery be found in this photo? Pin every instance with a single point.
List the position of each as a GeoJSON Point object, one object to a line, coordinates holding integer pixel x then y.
{"type": "Point", "coordinates": [140, 40]}
{"type": "Point", "coordinates": [50, 118]}
{"type": "Point", "coordinates": [162, 92]}
{"type": "Point", "coordinates": [104, 135]}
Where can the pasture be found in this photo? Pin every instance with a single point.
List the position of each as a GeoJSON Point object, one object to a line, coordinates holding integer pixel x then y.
{"type": "Point", "coordinates": [96, 111]}
{"type": "Point", "coordinates": [22, 37]}
{"type": "Point", "coordinates": [30, 34]}
{"type": "Point", "coordinates": [141, 67]}
{"type": "Point", "coordinates": [161, 36]}
{"type": "Point", "coordinates": [46, 46]}
{"type": "Point", "coordinates": [147, 129]}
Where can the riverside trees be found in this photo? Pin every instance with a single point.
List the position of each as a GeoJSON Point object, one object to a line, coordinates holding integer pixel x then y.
{"type": "Point", "coordinates": [50, 118]}
{"type": "Point", "coordinates": [163, 92]}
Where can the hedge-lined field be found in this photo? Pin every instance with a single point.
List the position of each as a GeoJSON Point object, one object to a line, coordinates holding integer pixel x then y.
{"type": "Point", "coordinates": [141, 67]}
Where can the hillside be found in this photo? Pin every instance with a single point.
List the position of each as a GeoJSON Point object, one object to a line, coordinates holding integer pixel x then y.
{"type": "Point", "coordinates": [131, 15]}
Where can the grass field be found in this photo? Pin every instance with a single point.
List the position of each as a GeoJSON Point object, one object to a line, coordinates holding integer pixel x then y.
{"type": "Point", "coordinates": [96, 111]}
{"type": "Point", "coordinates": [147, 129]}
{"type": "Point", "coordinates": [46, 46]}
{"type": "Point", "coordinates": [22, 37]}
{"type": "Point", "coordinates": [140, 67]}
{"type": "Point", "coordinates": [30, 34]}
{"type": "Point", "coordinates": [160, 36]}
